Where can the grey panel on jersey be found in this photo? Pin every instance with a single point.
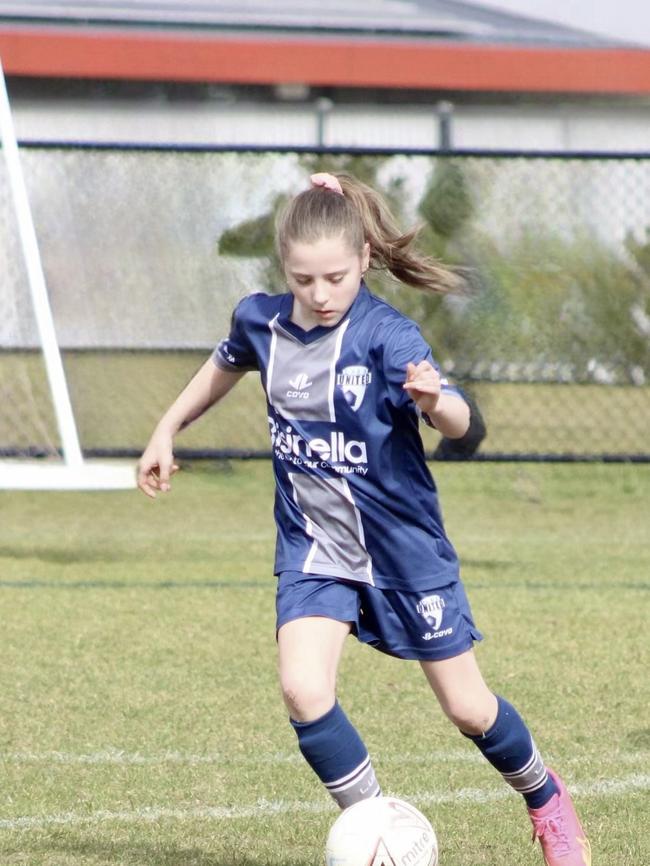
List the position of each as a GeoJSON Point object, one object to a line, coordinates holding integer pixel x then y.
{"type": "Point", "coordinates": [301, 378]}
{"type": "Point", "coordinates": [339, 551]}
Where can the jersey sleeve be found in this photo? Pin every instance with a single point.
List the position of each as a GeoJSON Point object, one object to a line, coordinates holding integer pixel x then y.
{"type": "Point", "coordinates": [403, 343]}
{"type": "Point", "coordinates": [235, 352]}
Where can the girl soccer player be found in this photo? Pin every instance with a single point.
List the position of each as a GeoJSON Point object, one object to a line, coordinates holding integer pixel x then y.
{"type": "Point", "coordinates": [361, 545]}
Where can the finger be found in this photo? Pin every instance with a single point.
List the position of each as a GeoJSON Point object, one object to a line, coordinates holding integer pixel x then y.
{"type": "Point", "coordinates": [148, 478]}
{"type": "Point", "coordinates": [427, 369]}
{"type": "Point", "coordinates": [423, 376]}
{"type": "Point", "coordinates": [144, 471]}
{"type": "Point", "coordinates": [148, 472]}
{"type": "Point", "coordinates": [410, 371]}
{"type": "Point", "coordinates": [414, 388]}
{"type": "Point", "coordinates": [165, 468]}
{"type": "Point", "coordinates": [166, 472]}
{"type": "Point", "coordinates": [425, 386]}
{"type": "Point", "coordinates": [146, 487]}
{"type": "Point", "coordinates": [424, 372]}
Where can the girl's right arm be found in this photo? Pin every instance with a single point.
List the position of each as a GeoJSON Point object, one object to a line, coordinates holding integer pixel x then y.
{"type": "Point", "coordinates": [208, 386]}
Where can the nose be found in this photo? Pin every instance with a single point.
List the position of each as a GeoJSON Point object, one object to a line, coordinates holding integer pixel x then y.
{"type": "Point", "coordinates": [320, 294]}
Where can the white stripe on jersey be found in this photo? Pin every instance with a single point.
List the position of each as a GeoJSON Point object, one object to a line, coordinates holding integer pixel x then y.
{"type": "Point", "coordinates": [269, 369]}
{"type": "Point", "coordinates": [335, 357]}
{"type": "Point", "coordinates": [362, 538]}
{"type": "Point", "coordinates": [310, 556]}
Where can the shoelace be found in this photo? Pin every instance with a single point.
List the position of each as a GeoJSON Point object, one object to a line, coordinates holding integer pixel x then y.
{"type": "Point", "coordinates": [553, 828]}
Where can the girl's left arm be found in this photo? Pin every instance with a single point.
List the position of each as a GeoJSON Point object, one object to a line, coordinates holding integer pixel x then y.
{"type": "Point", "coordinates": [448, 412]}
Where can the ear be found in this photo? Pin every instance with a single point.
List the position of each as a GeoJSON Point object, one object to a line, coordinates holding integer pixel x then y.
{"type": "Point", "coordinates": [365, 257]}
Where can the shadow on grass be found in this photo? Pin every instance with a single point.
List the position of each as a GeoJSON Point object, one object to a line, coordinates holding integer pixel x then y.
{"type": "Point", "coordinates": [490, 564]}
{"type": "Point", "coordinates": [124, 853]}
{"type": "Point", "coordinates": [67, 556]}
{"type": "Point", "coordinates": [639, 739]}
{"type": "Point", "coordinates": [136, 584]}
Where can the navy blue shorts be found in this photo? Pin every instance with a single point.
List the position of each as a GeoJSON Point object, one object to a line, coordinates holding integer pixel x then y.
{"type": "Point", "coordinates": [410, 625]}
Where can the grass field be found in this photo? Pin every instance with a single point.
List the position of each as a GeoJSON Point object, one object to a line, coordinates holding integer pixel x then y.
{"type": "Point", "coordinates": [119, 397]}
{"type": "Point", "coordinates": [141, 722]}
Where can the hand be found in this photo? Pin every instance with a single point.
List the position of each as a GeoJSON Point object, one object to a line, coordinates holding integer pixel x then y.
{"type": "Point", "coordinates": [423, 384]}
{"type": "Point", "coordinates": [156, 466]}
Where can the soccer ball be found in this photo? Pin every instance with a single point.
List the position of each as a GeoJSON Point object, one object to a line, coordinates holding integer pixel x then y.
{"type": "Point", "coordinates": [382, 831]}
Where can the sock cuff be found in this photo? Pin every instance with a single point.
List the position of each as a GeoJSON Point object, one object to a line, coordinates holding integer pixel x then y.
{"type": "Point", "coordinates": [325, 719]}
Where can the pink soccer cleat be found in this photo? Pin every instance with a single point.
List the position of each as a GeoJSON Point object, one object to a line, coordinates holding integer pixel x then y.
{"type": "Point", "coordinates": [559, 831]}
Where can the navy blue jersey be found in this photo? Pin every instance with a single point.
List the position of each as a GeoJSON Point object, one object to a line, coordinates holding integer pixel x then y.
{"type": "Point", "coordinates": [354, 497]}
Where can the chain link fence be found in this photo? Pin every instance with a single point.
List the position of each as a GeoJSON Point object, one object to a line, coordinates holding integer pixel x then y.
{"type": "Point", "coordinates": [147, 250]}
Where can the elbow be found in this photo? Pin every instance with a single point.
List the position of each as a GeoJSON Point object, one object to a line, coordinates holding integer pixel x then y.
{"type": "Point", "coordinates": [465, 445]}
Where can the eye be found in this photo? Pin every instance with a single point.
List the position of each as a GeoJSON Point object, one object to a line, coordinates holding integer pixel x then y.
{"type": "Point", "coordinates": [336, 278]}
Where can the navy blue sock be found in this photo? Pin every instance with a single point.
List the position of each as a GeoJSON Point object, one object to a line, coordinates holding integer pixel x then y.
{"type": "Point", "coordinates": [336, 753]}
{"type": "Point", "coordinates": [510, 749]}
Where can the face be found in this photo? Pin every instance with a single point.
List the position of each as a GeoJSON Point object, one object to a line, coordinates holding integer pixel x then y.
{"type": "Point", "coordinates": [324, 278]}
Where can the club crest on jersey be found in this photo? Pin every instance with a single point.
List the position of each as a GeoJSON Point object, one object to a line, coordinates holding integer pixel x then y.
{"type": "Point", "coordinates": [353, 381]}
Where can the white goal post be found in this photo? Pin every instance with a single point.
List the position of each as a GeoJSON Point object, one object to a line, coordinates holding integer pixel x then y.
{"type": "Point", "coordinates": [72, 472]}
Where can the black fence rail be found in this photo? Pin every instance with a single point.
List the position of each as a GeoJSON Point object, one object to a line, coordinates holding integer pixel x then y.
{"type": "Point", "coordinates": [147, 250]}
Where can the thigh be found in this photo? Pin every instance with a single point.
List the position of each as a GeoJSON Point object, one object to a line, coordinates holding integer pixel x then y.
{"type": "Point", "coordinates": [309, 653]}
{"type": "Point", "coordinates": [456, 676]}
{"type": "Point", "coordinates": [462, 692]}
{"type": "Point", "coordinates": [309, 648]}
{"type": "Point", "coordinates": [314, 616]}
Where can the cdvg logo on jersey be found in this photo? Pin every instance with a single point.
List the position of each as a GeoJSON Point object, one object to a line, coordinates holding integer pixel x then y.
{"type": "Point", "coordinates": [353, 381]}
{"type": "Point", "coordinates": [431, 608]}
{"type": "Point", "coordinates": [299, 385]}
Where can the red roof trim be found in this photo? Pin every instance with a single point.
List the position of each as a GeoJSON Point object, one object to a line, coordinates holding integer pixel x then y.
{"type": "Point", "coordinates": [353, 62]}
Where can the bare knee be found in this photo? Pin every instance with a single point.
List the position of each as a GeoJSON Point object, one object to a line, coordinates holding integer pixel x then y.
{"type": "Point", "coordinates": [306, 698]}
{"type": "Point", "coordinates": [473, 717]}
{"type": "Point", "coordinates": [309, 653]}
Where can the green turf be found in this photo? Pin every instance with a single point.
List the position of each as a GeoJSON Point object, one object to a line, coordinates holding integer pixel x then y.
{"type": "Point", "coordinates": [141, 722]}
{"type": "Point", "coordinates": [119, 397]}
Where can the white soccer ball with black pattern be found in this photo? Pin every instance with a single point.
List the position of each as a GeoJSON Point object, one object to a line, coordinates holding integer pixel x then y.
{"type": "Point", "coordinates": [382, 831]}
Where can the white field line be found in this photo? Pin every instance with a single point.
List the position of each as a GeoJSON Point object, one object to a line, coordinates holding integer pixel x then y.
{"type": "Point", "coordinates": [120, 757]}
{"type": "Point", "coordinates": [267, 808]}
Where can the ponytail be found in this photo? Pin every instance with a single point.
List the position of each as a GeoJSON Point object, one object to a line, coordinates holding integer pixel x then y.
{"type": "Point", "coordinates": [392, 249]}
{"type": "Point", "coordinates": [341, 204]}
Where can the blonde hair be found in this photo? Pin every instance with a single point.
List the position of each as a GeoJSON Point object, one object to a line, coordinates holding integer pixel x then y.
{"type": "Point", "coordinates": [361, 215]}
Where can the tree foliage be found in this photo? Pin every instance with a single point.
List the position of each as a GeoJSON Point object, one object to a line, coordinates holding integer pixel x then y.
{"type": "Point", "coordinates": [547, 301]}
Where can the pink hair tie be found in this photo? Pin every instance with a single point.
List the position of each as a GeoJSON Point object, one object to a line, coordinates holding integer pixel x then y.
{"type": "Point", "coordinates": [328, 181]}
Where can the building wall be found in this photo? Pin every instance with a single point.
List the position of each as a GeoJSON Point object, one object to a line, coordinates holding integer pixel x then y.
{"type": "Point", "coordinates": [525, 126]}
